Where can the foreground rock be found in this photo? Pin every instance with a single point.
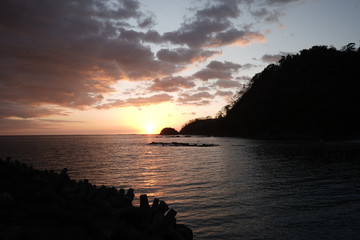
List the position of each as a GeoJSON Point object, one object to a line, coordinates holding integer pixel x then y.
{"type": "Point", "coordinates": [46, 205]}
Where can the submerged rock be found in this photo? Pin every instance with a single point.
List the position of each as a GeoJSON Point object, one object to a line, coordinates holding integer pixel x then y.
{"type": "Point", "coordinates": [178, 144]}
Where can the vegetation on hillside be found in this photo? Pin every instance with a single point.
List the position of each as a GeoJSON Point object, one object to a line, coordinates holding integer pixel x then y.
{"type": "Point", "coordinates": [313, 94]}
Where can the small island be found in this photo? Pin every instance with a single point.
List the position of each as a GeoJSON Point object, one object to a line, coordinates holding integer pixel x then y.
{"type": "Point", "coordinates": [169, 131]}
{"type": "Point", "coordinates": [310, 95]}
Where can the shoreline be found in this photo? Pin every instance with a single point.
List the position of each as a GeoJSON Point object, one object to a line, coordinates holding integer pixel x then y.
{"type": "Point", "coordinates": [38, 204]}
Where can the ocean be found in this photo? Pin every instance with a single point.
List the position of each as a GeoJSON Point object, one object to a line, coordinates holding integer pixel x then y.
{"type": "Point", "coordinates": [230, 188]}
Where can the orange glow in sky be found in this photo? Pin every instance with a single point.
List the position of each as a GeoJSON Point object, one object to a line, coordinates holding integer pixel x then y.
{"type": "Point", "coordinates": [149, 127]}
{"type": "Point", "coordinates": [100, 73]}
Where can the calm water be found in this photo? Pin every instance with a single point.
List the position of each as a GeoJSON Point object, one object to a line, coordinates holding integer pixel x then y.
{"type": "Point", "coordinates": [241, 189]}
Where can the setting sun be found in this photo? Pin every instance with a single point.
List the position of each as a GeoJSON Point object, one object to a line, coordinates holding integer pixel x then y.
{"type": "Point", "coordinates": [149, 127]}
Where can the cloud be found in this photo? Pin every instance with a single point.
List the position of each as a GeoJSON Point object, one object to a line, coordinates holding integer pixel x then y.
{"type": "Point", "coordinates": [196, 34]}
{"type": "Point", "coordinates": [184, 55]}
{"type": "Point", "coordinates": [69, 53]}
{"type": "Point", "coordinates": [65, 54]}
{"type": "Point", "coordinates": [260, 13]}
{"type": "Point", "coordinates": [32, 126]}
{"type": "Point", "coordinates": [243, 79]}
{"type": "Point", "coordinates": [274, 16]}
{"type": "Point", "coordinates": [268, 15]}
{"type": "Point", "coordinates": [7, 126]}
{"type": "Point", "coordinates": [269, 58]}
{"type": "Point", "coordinates": [151, 36]}
{"type": "Point", "coordinates": [207, 74]}
{"type": "Point", "coordinates": [227, 84]}
{"type": "Point", "coordinates": [217, 70]}
{"type": "Point", "coordinates": [280, 2]}
{"type": "Point", "coordinates": [224, 93]}
{"type": "Point", "coordinates": [146, 21]}
{"type": "Point", "coordinates": [235, 36]}
{"type": "Point", "coordinates": [137, 102]}
{"type": "Point", "coordinates": [212, 27]}
{"type": "Point", "coordinates": [226, 9]}
{"type": "Point", "coordinates": [11, 110]}
{"type": "Point", "coordinates": [203, 88]}
{"type": "Point", "coordinates": [172, 84]}
{"type": "Point", "coordinates": [200, 98]}
{"type": "Point", "coordinates": [223, 66]}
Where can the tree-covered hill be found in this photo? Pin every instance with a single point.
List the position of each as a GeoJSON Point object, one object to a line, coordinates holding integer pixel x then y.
{"type": "Point", "coordinates": [313, 94]}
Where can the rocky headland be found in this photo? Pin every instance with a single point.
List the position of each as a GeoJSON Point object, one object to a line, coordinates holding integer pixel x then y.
{"type": "Point", "coordinates": [310, 95]}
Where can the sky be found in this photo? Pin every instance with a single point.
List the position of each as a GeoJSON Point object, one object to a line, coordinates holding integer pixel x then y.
{"type": "Point", "coordinates": [134, 67]}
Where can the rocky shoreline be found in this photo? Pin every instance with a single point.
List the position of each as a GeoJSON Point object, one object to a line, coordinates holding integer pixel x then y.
{"type": "Point", "coordinates": [47, 205]}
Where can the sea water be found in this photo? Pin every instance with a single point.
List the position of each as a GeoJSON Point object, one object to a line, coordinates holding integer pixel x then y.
{"type": "Point", "coordinates": [238, 189]}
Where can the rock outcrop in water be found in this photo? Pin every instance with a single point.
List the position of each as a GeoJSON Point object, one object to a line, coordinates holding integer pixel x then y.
{"type": "Point", "coordinates": [179, 144]}
{"type": "Point", "coordinates": [46, 205]}
{"type": "Point", "coordinates": [169, 131]}
{"type": "Point", "coordinates": [313, 94]}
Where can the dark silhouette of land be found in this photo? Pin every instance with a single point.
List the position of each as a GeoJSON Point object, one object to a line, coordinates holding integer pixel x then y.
{"type": "Point", "coordinates": [46, 205]}
{"type": "Point", "coordinates": [313, 94]}
{"type": "Point", "coordinates": [169, 131]}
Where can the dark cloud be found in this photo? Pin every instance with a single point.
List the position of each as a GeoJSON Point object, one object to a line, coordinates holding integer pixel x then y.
{"type": "Point", "coordinates": [146, 21]}
{"type": "Point", "coordinates": [137, 102]}
{"type": "Point", "coordinates": [227, 84]}
{"type": "Point", "coordinates": [269, 58]}
{"type": "Point", "coordinates": [211, 33]}
{"type": "Point", "coordinates": [196, 34]}
{"type": "Point", "coordinates": [267, 15]}
{"type": "Point", "coordinates": [172, 84]}
{"type": "Point", "coordinates": [260, 13]}
{"type": "Point", "coordinates": [203, 89]}
{"type": "Point", "coordinates": [274, 16]}
{"type": "Point", "coordinates": [235, 36]}
{"type": "Point", "coordinates": [8, 126]}
{"type": "Point", "coordinates": [132, 35]}
{"type": "Point", "coordinates": [184, 55]}
{"type": "Point", "coordinates": [223, 66]}
{"type": "Point", "coordinates": [69, 53]}
{"type": "Point", "coordinates": [212, 27]}
{"type": "Point", "coordinates": [217, 70]}
{"type": "Point", "coordinates": [134, 60]}
{"type": "Point", "coordinates": [224, 93]}
{"type": "Point", "coordinates": [207, 74]}
{"type": "Point", "coordinates": [65, 54]}
{"type": "Point", "coordinates": [248, 66]}
{"type": "Point", "coordinates": [243, 78]}
{"type": "Point", "coordinates": [11, 110]}
{"type": "Point", "coordinates": [32, 126]}
{"type": "Point", "coordinates": [227, 9]}
{"type": "Point", "coordinates": [280, 2]}
{"type": "Point", "coordinates": [270, 11]}
{"type": "Point", "coordinates": [200, 98]}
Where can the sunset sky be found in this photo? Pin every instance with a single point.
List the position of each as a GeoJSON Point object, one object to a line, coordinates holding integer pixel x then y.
{"type": "Point", "coordinates": [123, 66]}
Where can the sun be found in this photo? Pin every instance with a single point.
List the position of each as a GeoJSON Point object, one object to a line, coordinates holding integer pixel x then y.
{"type": "Point", "coordinates": [149, 127]}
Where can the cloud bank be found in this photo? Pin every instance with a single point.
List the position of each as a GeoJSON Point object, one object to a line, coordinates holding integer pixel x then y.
{"type": "Point", "coordinates": [69, 54]}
